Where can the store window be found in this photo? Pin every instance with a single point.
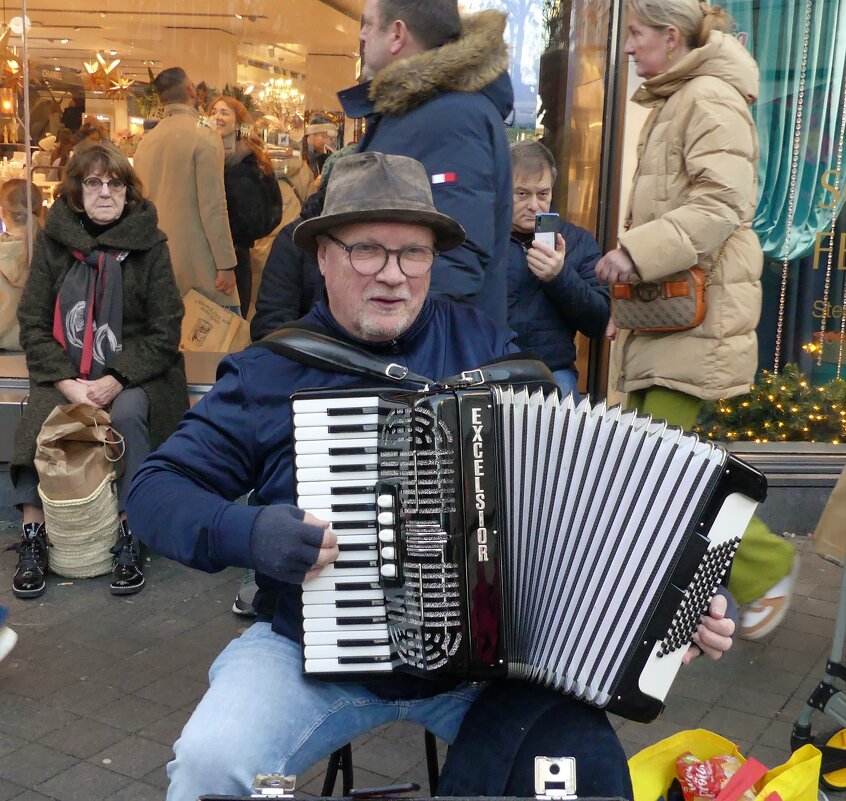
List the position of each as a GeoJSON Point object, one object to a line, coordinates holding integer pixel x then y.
{"type": "Point", "coordinates": [800, 221]}
{"type": "Point", "coordinates": [85, 71]}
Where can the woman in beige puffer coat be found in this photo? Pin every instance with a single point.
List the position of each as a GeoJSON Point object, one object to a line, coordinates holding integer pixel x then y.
{"type": "Point", "coordinates": [692, 203]}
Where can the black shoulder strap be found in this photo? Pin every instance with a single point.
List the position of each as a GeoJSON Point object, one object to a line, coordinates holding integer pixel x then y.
{"type": "Point", "coordinates": [317, 347]}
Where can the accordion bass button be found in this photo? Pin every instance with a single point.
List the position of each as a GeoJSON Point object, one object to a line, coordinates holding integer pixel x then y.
{"type": "Point", "coordinates": [385, 518]}
{"type": "Point", "coordinates": [388, 571]}
{"type": "Point", "coordinates": [387, 535]}
{"type": "Point", "coordinates": [388, 553]}
{"type": "Point", "coordinates": [385, 502]}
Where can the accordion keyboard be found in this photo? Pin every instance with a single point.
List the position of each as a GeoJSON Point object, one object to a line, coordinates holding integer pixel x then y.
{"type": "Point", "coordinates": [336, 448]}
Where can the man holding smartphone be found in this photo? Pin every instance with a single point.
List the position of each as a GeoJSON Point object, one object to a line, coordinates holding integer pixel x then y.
{"type": "Point", "coordinates": [552, 289]}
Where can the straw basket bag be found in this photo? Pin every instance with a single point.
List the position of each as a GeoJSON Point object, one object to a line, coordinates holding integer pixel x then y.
{"type": "Point", "coordinates": [76, 454]}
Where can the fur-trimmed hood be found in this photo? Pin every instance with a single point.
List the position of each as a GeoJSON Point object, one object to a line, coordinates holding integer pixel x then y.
{"type": "Point", "coordinates": [470, 64]}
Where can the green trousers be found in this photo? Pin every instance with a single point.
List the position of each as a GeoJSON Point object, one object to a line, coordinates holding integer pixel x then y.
{"type": "Point", "coordinates": [762, 559]}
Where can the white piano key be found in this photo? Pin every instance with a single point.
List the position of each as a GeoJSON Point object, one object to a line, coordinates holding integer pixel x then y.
{"type": "Point", "coordinates": [322, 433]}
{"type": "Point", "coordinates": [310, 405]}
{"type": "Point", "coordinates": [337, 584]}
{"type": "Point", "coordinates": [328, 501]}
{"type": "Point", "coordinates": [333, 652]}
{"type": "Point", "coordinates": [325, 513]}
{"type": "Point", "coordinates": [325, 460]}
{"type": "Point", "coordinates": [312, 611]}
{"type": "Point", "coordinates": [331, 596]}
{"type": "Point", "coordinates": [332, 637]}
{"type": "Point", "coordinates": [326, 475]}
{"type": "Point", "coordinates": [316, 420]}
{"type": "Point", "coordinates": [334, 666]}
{"type": "Point", "coordinates": [326, 487]}
{"type": "Point", "coordinates": [318, 447]}
{"type": "Point", "coordinates": [363, 573]}
{"type": "Point", "coordinates": [330, 624]}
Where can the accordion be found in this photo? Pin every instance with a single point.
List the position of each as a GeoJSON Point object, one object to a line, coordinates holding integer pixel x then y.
{"type": "Point", "coordinates": [496, 532]}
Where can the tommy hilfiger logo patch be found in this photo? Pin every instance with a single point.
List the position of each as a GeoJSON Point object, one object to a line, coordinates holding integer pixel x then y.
{"type": "Point", "coordinates": [445, 178]}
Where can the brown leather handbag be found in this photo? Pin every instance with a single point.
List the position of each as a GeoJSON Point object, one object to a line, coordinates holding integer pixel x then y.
{"type": "Point", "coordinates": [675, 304]}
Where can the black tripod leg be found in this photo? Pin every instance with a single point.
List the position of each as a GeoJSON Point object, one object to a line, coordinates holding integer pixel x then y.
{"type": "Point", "coordinates": [347, 768]}
{"type": "Point", "coordinates": [331, 773]}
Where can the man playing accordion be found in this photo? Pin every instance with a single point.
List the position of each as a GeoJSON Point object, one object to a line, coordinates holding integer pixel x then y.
{"type": "Point", "coordinates": [375, 242]}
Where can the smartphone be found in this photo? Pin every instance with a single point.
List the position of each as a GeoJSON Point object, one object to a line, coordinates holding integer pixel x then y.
{"type": "Point", "coordinates": [546, 228]}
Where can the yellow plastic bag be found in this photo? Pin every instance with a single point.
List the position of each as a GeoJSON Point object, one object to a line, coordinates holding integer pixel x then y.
{"type": "Point", "coordinates": [654, 768]}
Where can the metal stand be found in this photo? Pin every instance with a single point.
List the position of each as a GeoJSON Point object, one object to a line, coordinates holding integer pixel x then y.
{"type": "Point", "coordinates": [827, 698]}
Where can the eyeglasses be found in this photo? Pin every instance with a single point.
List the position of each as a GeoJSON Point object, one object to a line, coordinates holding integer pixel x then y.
{"type": "Point", "coordinates": [96, 184]}
{"type": "Point", "coordinates": [369, 258]}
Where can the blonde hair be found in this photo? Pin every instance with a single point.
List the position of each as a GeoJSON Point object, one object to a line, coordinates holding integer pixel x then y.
{"type": "Point", "coordinates": [695, 20]}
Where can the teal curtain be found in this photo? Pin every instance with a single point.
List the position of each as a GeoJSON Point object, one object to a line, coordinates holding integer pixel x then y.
{"type": "Point", "coordinates": [775, 32]}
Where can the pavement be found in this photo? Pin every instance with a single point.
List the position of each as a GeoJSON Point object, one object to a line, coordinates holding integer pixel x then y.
{"type": "Point", "coordinates": [98, 688]}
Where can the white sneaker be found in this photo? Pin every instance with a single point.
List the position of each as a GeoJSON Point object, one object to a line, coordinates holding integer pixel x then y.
{"type": "Point", "coordinates": [763, 616]}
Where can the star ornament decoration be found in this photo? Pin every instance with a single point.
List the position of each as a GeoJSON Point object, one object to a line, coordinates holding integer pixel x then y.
{"type": "Point", "coordinates": [119, 87]}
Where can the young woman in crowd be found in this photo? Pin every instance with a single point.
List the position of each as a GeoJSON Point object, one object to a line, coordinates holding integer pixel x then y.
{"type": "Point", "coordinates": [245, 165]}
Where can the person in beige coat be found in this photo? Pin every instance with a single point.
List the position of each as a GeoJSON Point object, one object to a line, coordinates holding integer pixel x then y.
{"type": "Point", "coordinates": [692, 203]}
{"type": "Point", "coordinates": [180, 162]}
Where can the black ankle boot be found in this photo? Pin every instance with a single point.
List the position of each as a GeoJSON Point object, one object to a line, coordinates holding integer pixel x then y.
{"type": "Point", "coordinates": [28, 581]}
{"type": "Point", "coordinates": [127, 576]}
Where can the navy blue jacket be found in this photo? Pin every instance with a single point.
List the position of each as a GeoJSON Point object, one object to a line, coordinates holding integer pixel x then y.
{"type": "Point", "coordinates": [238, 438]}
{"type": "Point", "coordinates": [546, 315]}
{"type": "Point", "coordinates": [460, 135]}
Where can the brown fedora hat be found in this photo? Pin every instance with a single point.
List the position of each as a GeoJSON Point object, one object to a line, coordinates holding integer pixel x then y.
{"type": "Point", "coordinates": [374, 187]}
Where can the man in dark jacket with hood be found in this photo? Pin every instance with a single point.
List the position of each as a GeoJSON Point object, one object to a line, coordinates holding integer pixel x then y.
{"type": "Point", "coordinates": [439, 93]}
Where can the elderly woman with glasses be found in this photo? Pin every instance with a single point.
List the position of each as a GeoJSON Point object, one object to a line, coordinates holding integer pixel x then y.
{"type": "Point", "coordinates": [100, 321]}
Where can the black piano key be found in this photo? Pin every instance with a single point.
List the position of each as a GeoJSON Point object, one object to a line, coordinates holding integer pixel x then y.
{"type": "Point", "coordinates": [353, 468]}
{"type": "Point", "coordinates": [351, 411]}
{"type": "Point", "coordinates": [353, 507]}
{"type": "Point", "coordinates": [356, 585]}
{"type": "Point", "coordinates": [351, 491]}
{"type": "Point", "coordinates": [359, 603]}
{"type": "Point", "coordinates": [362, 428]}
{"type": "Point", "coordinates": [363, 660]}
{"type": "Point", "coordinates": [354, 563]}
{"type": "Point", "coordinates": [377, 620]}
{"type": "Point", "coordinates": [362, 643]}
{"type": "Point", "coordinates": [342, 525]}
{"type": "Point", "coordinates": [368, 451]}
{"type": "Point", "coordinates": [356, 546]}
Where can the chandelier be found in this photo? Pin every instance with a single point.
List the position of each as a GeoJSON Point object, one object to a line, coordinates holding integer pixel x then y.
{"type": "Point", "coordinates": [279, 98]}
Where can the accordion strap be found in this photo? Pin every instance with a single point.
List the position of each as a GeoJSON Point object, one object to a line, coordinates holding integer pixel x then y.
{"type": "Point", "coordinates": [317, 347]}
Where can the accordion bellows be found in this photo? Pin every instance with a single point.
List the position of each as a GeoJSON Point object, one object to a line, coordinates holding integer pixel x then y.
{"type": "Point", "coordinates": [491, 531]}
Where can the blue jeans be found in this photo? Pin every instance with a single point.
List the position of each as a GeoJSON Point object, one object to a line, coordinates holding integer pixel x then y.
{"type": "Point", "coordinates": [568, 381]}
{"type": "Point", "coordinates": [261, 715]}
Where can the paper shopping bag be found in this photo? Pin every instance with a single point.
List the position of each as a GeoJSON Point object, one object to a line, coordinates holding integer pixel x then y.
{"type": "Point", "coordinates": [210, 328]}
{"type": "Point", "coordinates": [76, 450]}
